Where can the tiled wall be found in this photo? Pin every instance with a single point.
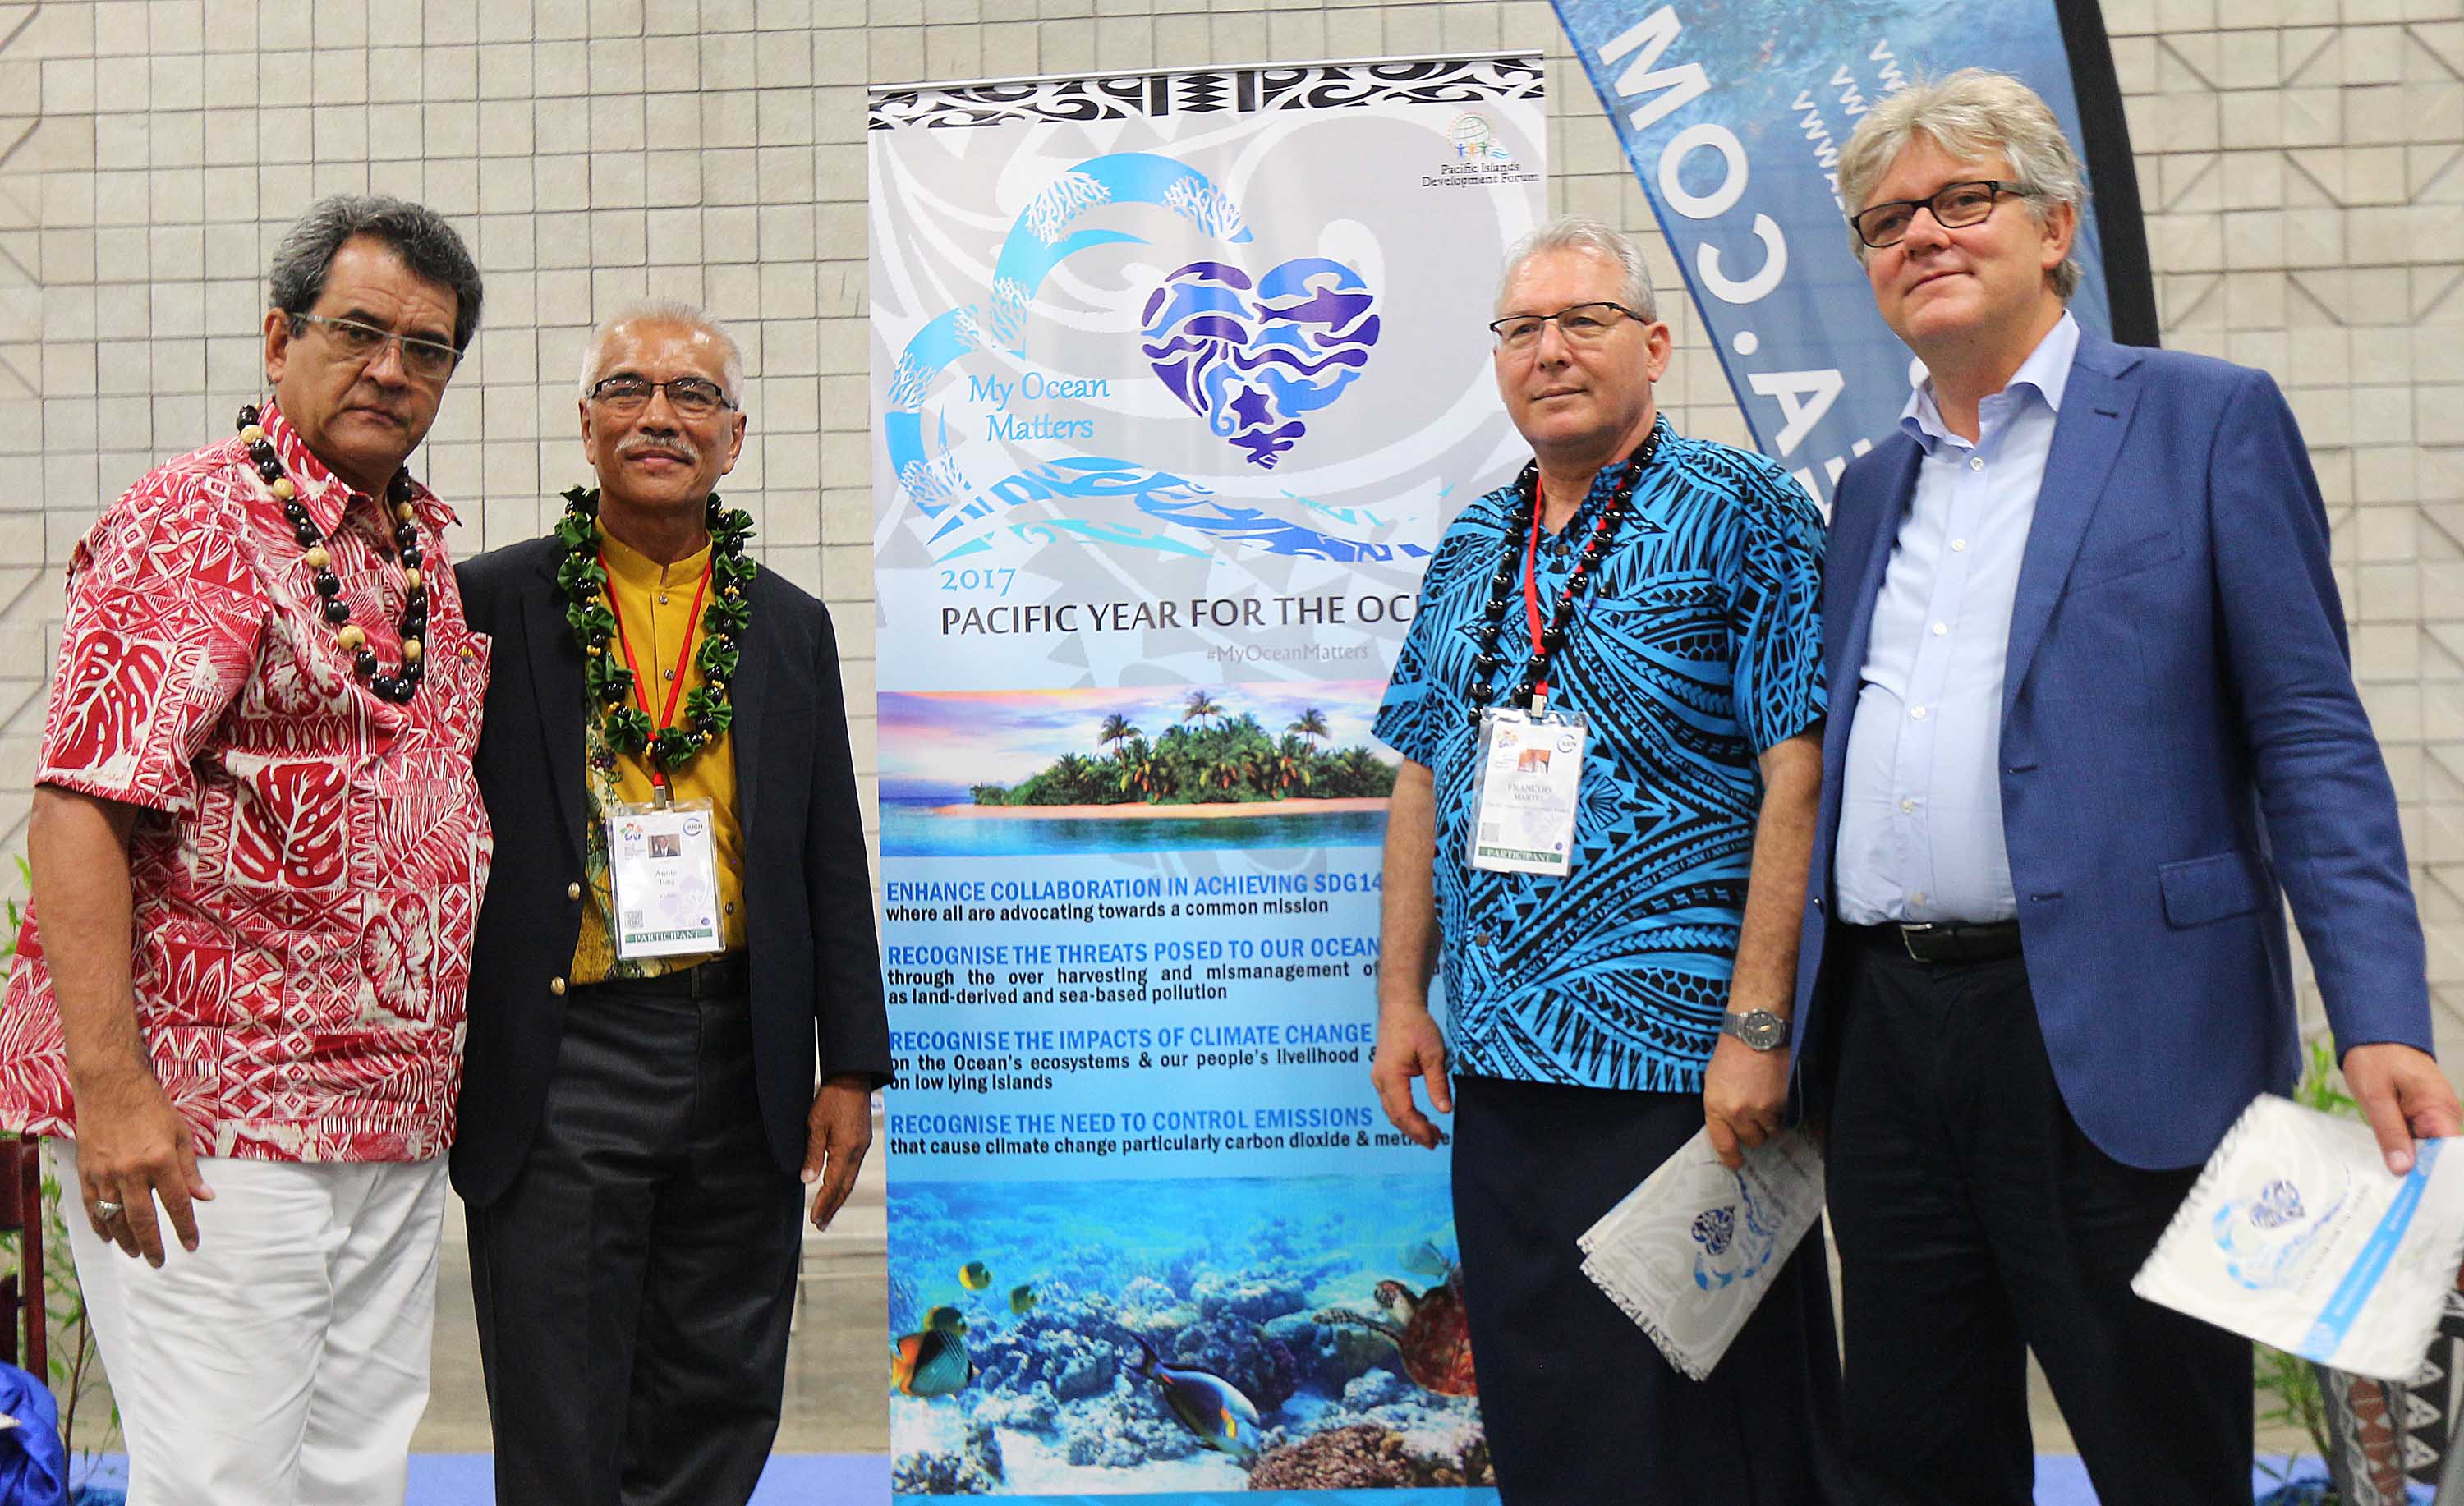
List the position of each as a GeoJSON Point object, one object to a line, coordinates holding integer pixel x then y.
{"type": "Point", "coordinates": [2303, 162]}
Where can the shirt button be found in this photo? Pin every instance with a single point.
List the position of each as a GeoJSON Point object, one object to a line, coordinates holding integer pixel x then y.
{"type": "Point", "coordinates": [1907, 806]}
{"type": "Point", "coordinates": [672, 674]}
{"type": "Point", "coordinates": [556, 986]}
{"type": "Point", "coordinates": [573, 891]}
{"type": "Point", "coordinates": [663, 599]}
{"type": "Point", "coordinates": [1974, 463]}
{"type": "Point", "coordinates": [1917, 712]}
{"type": "Point", "coordinates": [1940, 628]}
{"type": "Point", "coordinates": [1918, 898]}
{"type": "Point", "coordinates": [1480, 938]}
{"type": "Point", "coordinates": [1959, 543]}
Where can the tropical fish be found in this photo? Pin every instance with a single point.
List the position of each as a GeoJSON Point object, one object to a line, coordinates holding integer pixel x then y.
{"type": "Point", "coordinates": [946, 1318]}
{"type": "Point", "coordinates": [933, 1363]}
{"type": "Point", "coordinates": [1021, 1298]}
{"type": "Point", "coordinates": [1422, 1257]}
{"type": "Point", "coordinates": [1210, 1406]}
{"type": "Point", "coordinates": [974, 1275]}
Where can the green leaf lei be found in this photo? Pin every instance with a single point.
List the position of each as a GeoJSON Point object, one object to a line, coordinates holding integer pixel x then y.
{"type": "Point", "coordinates": [727, 610]}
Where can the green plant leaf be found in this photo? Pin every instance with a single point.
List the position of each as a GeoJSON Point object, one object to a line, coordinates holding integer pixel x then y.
{"type": "Point", "coordinates": [629, 731]}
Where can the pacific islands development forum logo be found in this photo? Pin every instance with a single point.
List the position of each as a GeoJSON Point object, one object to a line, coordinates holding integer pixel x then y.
{"type": "Point", "coordinates": [1480, 158]}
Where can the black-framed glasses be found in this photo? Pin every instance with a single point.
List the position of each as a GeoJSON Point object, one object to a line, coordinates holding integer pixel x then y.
{"type": "Point", "coordinates": [1953, 207]}
{"type": "Point", "coordinates": [691, 397]}
{"type": "Point", "coordinates": [1581, 324]}
{"type": "Point", "coordinates": [427, 359]}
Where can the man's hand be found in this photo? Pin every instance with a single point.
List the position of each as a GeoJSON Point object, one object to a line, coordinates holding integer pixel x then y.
{"type": "Point", "coordinates": [1410, 1045]}
{"type": "Point", "coordinates": [837, 1133]}
{"type": "Point", "coordinates": [1745, 1094]}
{"type": "Point", "coordinates": [2403, 1096]}
{"type": "Point", "coordinates": [132, 1147]}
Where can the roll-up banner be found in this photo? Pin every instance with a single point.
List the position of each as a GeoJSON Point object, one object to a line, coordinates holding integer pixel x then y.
{"type": "Point", "coordinates": [1733, 116]}
{"type": "Point", "coordinates": [1177, 377]}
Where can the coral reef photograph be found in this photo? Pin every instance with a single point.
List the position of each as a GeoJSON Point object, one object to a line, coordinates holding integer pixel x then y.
{"type": "Point", "coordinates": [1225, 1334]}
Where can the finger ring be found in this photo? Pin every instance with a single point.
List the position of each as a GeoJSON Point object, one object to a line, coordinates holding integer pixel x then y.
{"type": "Point", "coordinates": [106, 1210]}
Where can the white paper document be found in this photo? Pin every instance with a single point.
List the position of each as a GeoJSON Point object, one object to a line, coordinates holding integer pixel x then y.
{"type": "Point", "coordinates": [1690, 1254]}
{"type": "Point", "coordinates": [2299, 1236]}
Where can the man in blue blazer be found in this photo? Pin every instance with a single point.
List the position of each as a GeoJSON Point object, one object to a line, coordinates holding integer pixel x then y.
{"type": "Point", "coordinates": [2091, 715]}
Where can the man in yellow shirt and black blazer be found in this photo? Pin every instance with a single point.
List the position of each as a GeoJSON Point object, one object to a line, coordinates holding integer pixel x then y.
{"type": "Point", "coordinates": [635, 1126]}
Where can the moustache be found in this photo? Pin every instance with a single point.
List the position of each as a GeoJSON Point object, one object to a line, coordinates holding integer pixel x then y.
{"type": "Point", "coordinates": [636, 449]}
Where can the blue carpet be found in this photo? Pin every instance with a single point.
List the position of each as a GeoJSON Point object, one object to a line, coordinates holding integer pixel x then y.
{"type": "Point", "coordinates": [862, 1480]}
{"type": "Point", "coordinates": [792, 1479]}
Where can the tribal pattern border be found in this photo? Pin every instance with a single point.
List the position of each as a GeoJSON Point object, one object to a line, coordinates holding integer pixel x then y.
{"type": "Point", "coordinates": [1331, 86]}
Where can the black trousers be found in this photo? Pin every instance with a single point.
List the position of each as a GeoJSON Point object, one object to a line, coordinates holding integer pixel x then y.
{"type": "Point", "coordinates": [1580, 1407]}
{"type": "Point", "coordinates": [635, 1282]}
{"type": "Point", "coordinates": [1975, 1221]}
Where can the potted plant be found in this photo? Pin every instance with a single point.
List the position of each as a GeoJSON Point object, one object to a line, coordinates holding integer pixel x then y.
{"type": "Point", "coordinates": [76, 1364]}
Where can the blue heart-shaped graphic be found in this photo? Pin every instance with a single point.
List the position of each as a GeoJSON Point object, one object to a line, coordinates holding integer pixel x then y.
{"type": "Point", "coordinates": [1252, 358]}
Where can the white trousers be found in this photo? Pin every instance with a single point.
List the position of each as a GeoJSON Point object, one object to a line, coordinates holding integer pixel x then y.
{"type": "Point", "coordinates": [285, 1362]}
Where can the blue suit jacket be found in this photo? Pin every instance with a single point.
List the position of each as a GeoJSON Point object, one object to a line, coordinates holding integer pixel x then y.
{"type": "Point", "coordinates": [2182, 745]}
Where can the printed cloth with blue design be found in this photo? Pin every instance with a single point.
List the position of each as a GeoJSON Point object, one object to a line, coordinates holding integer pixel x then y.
{"type": "Point", "coordinates": [1696, 647]}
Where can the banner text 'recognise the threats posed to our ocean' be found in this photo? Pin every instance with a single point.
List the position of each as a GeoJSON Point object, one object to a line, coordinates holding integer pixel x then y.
{"type": "Point", "coordinates": [1179, 379]}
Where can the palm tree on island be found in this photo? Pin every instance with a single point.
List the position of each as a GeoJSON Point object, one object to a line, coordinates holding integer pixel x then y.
{"type": "Point", "coordinates": [1209, 759]}
{"type": "Point", "coordinates": [1115, 731]}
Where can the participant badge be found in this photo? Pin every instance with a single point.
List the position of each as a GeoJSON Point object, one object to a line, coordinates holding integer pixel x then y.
{"type": "Point", "coordinates": [1525, 791]}
{"type": "Point", "coordinates": [663, 880]}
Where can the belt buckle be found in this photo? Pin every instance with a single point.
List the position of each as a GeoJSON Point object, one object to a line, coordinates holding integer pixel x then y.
{"type": "Point", "coordinates": [1908, 930]}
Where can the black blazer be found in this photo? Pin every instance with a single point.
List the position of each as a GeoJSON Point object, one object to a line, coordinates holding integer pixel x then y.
{"type": "Point", "coordinates": [816, 965]}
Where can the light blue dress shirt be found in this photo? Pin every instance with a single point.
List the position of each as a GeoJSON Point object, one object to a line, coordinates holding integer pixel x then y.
{"type": "Point", "coordinates": [1921, 797]}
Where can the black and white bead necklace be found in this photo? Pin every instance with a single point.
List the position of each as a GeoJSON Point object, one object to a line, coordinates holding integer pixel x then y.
{"type": "Point", "coordinates": [1509, 572]}
{"type": "Point", "coordinates": [397, 686]}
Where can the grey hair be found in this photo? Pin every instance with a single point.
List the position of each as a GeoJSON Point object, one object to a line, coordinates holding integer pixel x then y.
{"type": "Point", "coordinates": [418, 234]}
{"type": "Point", "coordinates": [666, 311]}
{"type": "Point", "coordinates": [1971, 114]}
{"type": "Point", "coordinates": [1583, 232]}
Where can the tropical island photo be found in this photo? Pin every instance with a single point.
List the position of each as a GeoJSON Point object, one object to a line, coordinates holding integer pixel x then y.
{"type": "Point", "coordinates": [1204, 762]}
{"type": "Point", "coordinates": [1261, 763]}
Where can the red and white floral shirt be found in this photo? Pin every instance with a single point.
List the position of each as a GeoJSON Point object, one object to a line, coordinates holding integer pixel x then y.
{"type": "Point", "coordinates": [310, 858]}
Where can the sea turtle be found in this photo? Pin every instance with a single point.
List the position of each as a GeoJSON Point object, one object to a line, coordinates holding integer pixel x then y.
{"type": "Point", "coordinates": [1428, 1329]}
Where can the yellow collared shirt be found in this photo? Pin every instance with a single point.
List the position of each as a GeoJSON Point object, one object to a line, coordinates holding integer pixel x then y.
{"type": "Point", "coordinates": [655, 603]}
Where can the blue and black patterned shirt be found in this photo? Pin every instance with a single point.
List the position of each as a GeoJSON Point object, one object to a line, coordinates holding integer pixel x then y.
{"type": "Point", "coordinates": [1699, 647]}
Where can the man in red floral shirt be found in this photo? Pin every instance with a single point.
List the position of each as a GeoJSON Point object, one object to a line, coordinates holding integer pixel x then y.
{"type": "Point", "coordinates": [258, 852]}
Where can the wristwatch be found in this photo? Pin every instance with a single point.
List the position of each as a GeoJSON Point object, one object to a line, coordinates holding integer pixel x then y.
{"type": "Point", "coordinates": [1758, 1028]}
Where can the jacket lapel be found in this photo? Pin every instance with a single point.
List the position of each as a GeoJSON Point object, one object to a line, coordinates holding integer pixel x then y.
{"type": "Point", "coordinates": [1873, 556]}
{"type": "Point", "coordinates": [751, 680]}
{"type": "Point", "coordinates": [1861, 550]}
{"type": "Point", "coordinates": [2087, 437]}
{"type": "Point", "coordinates": [555, 693]}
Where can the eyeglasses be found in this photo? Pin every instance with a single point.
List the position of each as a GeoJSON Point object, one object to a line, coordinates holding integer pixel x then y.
{"type": "Point", "coordinates": [427, 359]}
{"type": "Point", "coordinates": [1954, 207]}
{"type": "Point", "coordinates": [1581, 324]}
{"type": "Point", "coordinates": [691, 397]}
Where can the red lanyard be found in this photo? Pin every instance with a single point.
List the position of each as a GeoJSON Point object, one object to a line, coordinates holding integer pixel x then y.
{"type": "Point", "coordinates": [675, 681]}
{"type": "Point", "coordinates": [1532, 590]}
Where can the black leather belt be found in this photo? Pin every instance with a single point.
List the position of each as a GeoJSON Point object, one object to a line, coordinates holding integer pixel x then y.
{"type": "Point", "coordinates": [725, 977]}
{"type": "Point", "coordinates": [1943, 942]}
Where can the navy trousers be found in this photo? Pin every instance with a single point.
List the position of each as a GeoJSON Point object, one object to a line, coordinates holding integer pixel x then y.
{"type": "Point", "coordinates": [634, 1283]}
{"type": "Point", "coordinates": [1580, 1407]}
{"type": "Point", "coordinates": [1976, 1222]}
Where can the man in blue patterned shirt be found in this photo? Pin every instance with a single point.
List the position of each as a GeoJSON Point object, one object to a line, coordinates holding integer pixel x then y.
{"type": "Point", "coordinates": [1664, 591]}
